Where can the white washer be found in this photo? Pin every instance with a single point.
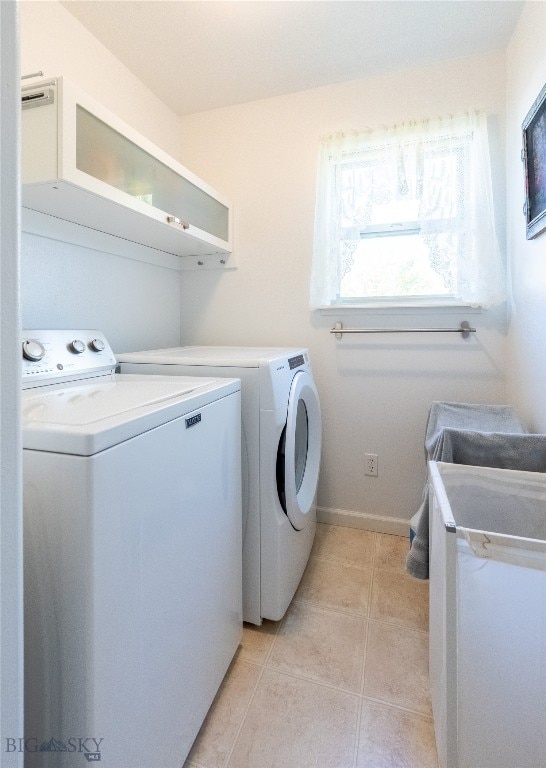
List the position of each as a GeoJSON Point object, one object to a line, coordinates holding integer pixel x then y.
{"type": "Point", "coordinates": [281, 457]}
{"type": "Point", "coordinates": [132, 511]}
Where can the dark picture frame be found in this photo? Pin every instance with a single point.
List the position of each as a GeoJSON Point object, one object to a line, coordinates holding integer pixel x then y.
{"type": "Point", "coordinates": [534, 160]}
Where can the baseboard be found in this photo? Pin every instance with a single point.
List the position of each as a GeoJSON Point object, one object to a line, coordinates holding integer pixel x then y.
{"type": "Point", "coordinates": [363, 520]}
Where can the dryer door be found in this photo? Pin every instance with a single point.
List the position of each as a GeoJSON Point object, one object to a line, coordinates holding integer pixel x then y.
{"type": "Point", "coordinates": [300, 458]}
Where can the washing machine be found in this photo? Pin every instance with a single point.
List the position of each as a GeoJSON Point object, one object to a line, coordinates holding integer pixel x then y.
{"type": "Point", "coordinates": [132, 552]}
{"type": "Point", "coordinates": [281, 442]}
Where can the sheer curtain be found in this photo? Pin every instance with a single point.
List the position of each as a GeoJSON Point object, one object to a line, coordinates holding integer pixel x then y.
{"type": "Point", "coordinates": [432, 175]}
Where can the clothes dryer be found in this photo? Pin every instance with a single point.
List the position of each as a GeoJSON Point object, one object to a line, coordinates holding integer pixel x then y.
{"type": "Point", "coordinates": [281, 439]}
{"type": "Point", "coordinates": [132, 514]}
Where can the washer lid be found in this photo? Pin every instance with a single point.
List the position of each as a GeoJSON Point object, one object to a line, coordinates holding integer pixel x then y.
{"type": "Point", "coordinates": [86, 417]}
{"type": "Point", "coordinates": [240, 357]}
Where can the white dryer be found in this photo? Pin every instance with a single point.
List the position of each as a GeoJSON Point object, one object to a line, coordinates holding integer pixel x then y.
{"type": "Point", "coordinates": [281, 439]}
{"type": "Point", "coordinates": [132, 513]}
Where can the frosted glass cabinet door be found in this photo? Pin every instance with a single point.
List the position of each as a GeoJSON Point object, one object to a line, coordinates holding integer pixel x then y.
{"type": "Point", "coordinates": [82, 164]}
{"type": "Point", "coordinates": [107, 155]}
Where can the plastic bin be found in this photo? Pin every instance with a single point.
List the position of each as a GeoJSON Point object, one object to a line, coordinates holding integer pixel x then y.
{"type": "Point", "coordinates": [488, 616]}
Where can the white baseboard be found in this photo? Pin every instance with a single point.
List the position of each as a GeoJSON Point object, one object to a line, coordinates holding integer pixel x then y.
{"type": "Point", "coordinates": [363, 520]}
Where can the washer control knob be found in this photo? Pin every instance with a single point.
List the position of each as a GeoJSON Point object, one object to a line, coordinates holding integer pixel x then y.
{"type": "Point", "coordinates": [77, 346]}
{"type": "Point", "coordinates": [33, 350]}
{"type": "Point", "coordinates": [97, 345]}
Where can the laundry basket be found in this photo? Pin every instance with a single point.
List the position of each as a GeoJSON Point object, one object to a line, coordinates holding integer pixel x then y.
{"type": "Point", "coordinates": [488, 616]}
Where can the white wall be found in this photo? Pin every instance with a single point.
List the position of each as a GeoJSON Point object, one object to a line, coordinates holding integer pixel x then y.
{"type": "Point", "coordinates": [11, 533]}
{"type": "Point", "coordinates": [375, 391]}
{"type": "Point", "coordinates": [526, 69]}
{"type": "Point", "coordinates": [137, 305]}
{"type": "Point", "coordinates": [53, 41]}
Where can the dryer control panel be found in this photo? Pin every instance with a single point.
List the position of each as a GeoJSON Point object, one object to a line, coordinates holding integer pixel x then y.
{"type": "Point", "coordinates": [51, 356]}
{"type": "Point", "coordinates": [296, 362]}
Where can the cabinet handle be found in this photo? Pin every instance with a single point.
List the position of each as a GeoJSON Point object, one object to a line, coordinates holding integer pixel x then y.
{"type": "Point", "coordinates": [176, 220]}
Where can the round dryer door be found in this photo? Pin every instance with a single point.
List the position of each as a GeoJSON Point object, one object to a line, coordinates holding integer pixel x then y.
{"type": "Point", "coordinates": [298, 461]}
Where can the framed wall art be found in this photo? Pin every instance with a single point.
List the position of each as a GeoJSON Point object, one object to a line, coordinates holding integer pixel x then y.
{"type": "Point", "coordinates": [534, 160]}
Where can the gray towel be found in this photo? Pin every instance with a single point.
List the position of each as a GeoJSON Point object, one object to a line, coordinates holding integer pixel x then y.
{"type": "Point", "coordinates": [477, 417]}
{"type": "Point", "coordinates": [481, 435]}
{"type": "Point", "coordinates": [492, 449]}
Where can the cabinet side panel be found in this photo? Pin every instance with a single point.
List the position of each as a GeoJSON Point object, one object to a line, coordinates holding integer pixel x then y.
{"type": "Point", "coordinates": [39, 157]}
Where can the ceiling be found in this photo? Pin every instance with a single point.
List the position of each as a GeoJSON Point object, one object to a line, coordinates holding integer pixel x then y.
{"type": "Point", "coordinates": [197, 55]}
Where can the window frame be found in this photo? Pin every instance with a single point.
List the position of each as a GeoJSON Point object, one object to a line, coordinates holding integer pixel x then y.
{"type": "Point", "coordinates": [471, 195]}
{"type": "Point", "coordinates": [368, 156]}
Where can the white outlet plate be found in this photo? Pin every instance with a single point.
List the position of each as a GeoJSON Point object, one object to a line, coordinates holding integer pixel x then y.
{"type": "Point", "coordinates": [370, 464]}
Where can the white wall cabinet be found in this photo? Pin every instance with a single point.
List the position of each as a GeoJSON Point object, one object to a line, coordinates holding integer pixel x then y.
{"type": "Point", "coordinates": [83, 165]}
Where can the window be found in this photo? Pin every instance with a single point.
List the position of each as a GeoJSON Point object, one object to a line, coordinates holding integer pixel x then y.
{"type": "Point", "coordinates": [405, 215]}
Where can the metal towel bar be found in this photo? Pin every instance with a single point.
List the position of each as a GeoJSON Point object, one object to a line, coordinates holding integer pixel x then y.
{"type": "Point", "coordinates": [464, 329]}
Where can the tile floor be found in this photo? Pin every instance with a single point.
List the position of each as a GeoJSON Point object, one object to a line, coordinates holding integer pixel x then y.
{"type": "Point", "coordinates": [341, 681]}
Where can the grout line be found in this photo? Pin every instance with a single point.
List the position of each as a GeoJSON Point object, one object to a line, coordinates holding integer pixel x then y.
{"type": "Point", "coordinates": [344, 563]}
{"type": "Point", "coordinates": [245, 713]}
{"type": "Point", "coordinates": [397, 625]}
{"type": "Point", "coordinates": [356, 615]}
{"type": "Point", "coordinates": [372, 579]}
{"type": "Point", "coordinates": [314, 681]}
{"type": "Point", "coordinates": [360, 697]}
{"type": "Point", "coordinates": [272, 635]}
{"type": "Point", "coordinates": [363, 614]}
{"type": "Point", "coordinates": [370, 589]}
{"type": "Point", "coordinates": [275, 636]}
{"type": "Point", "coordinates": [196, 763]}
{"type": "Point", "coordinates": [384, 703]}
{"type": "Point", "coordinates": [357, 733]}
{"type": "Point", "coordinates": [252, 663]}
{"type": "Point", "coordinates": [374, 549]}
{"type": "Point", "coordinates": [331, 609]}
{"type": "Point", "coordinates": [364, 658]}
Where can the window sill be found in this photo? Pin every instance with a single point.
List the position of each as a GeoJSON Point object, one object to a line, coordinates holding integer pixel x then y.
{"type": "Point", "coordinates": [398, 309]}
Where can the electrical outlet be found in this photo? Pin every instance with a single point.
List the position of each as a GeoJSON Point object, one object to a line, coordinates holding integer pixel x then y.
{"type": "Point", "coordinates": [370, 464]}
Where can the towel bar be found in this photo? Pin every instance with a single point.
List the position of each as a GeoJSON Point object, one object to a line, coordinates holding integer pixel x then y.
{"type": "Point", "coordinates": [464, 329]}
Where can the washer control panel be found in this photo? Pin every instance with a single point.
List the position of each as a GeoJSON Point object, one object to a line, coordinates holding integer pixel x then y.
{"type": "Point", "coordinates": [51, 356]}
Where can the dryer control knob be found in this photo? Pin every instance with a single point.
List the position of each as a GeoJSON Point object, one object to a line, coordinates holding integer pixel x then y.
{"type": "Point", "coordinates": [97, 345]}
{"type": "Point", "coordinates": [77, 346]}
{"type": "Point", "coordinates": [33, 350]}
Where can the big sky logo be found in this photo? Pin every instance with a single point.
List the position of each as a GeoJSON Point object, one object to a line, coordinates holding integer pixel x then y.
{"type": "Point", "coordinates": [87, 746]}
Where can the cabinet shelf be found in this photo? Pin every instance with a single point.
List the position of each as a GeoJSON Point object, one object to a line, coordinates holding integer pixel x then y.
{"type": "Point", "coordinates": [84, 166]}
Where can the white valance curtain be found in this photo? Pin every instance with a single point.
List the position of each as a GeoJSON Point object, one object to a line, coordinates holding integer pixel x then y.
{"type": "Point", "coordinates": [439, 172]}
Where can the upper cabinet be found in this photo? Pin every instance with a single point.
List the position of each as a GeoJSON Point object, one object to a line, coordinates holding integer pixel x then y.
{"type": "Point", "coordinates": [84, 166]}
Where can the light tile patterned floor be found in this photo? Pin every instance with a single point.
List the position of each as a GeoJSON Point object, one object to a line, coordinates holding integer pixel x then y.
{"type": "Point", "coordinates": [342, 680]}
